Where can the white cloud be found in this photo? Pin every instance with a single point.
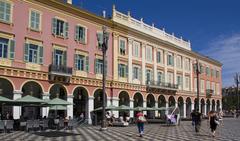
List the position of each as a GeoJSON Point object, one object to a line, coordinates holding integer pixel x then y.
{"type": "Point", "coordinates": [226, 49]}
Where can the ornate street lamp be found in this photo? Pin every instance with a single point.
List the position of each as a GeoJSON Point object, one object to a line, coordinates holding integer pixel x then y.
{"type": "Point", "coordinates": [104, 47]}
{"type": "Point", "coordinates": [197, 72]}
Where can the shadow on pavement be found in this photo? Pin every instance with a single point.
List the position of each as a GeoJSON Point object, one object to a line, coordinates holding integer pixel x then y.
{"type": "Point", "coordinates": [55, 134]}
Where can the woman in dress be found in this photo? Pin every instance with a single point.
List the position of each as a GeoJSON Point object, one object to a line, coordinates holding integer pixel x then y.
{"type": "Point", "coordinates": [213, 122]}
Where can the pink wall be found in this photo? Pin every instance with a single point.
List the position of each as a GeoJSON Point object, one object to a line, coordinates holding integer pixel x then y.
{"type": "Point", "coordinates": [21, 31]}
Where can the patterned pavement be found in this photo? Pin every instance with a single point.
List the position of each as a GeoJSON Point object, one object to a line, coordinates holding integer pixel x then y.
{"type": "Point", "coordinates": [229, 132]}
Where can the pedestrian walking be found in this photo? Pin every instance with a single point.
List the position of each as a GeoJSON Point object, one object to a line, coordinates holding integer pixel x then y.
{"type": "Point", "coordinates": [213, 121]}
{"type": "Point", "coordinates": [196, 120]}
{"type": "Point", "coordinates": [140, 123]}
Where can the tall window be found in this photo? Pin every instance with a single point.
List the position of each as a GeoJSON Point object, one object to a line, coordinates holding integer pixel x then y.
{"type": "Point", "coordinates": [213, 88]}
{"type": "Point", "coordinates": [187, 64]}
{"type": "Point", "coordinates": [170, 77]}
{"type": "Point", "coordinates": [60, 28]}
{"type": "Point", "coordinates": [195, 84]}
{"type": "Point", "coordinates": [179, 81]}
{"type": "Point", "coordinates": [149, 53]}
{"type": "Point", "coordinates": [208, 85]}
{"type": "Point", "coordinates": [179, 62]}
{"type": "Point", "coordinates": [5, 11]}
{"type": "Point", "coordinates": [33, 53]}
{"type": "Point", "coordinates": [136, 73]}
{"type": "Point", "coordinates": [100, 39]}
{"type": "Point", "coordinates": [187, 83]}
{"type": "Point", "coordinates": [99, 66]}
{"type": "Point", "coordinates": [160, 78]}
{"type": "Point", "coordinates": [170, 60]}
{"type": "Point", "coordinates": [122, 70]}
{"type": "Point", "coordinates": [4, 48]}
{"type": "Point", "coordinates": [81, 62]}
{"type": "Point", "coordinates": [158, 57]}
{"type": "Point", "coordinates": [136, 49]}
{"type": "Point", "coordinates": [217, 74]}
{"type": "Point", "coordinates": [202, 86]}
{"type": "Point", "coordinates": [80, 34]}
{"type": "Point", "coordinates": [7, 48]}
{"type": "Point", "coordinates": [60, 57]}
{"type": "Point", "coordinates": [122, 47]}
{"type": "Point", "coordinates": [207, 71]}
{"type": "Point", "coordinates": [35, 20]}
{"type": "Point", "coordinates": [149, 76]}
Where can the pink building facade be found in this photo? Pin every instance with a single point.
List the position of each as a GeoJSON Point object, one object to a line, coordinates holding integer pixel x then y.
{"type": "Point", "coordinates": [49, 49]}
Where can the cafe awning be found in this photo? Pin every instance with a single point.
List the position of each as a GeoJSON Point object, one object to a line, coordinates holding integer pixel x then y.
{"type": "Point", "coordinates": [58, 101]}
{"type": "Point", "coordinates": [28, 99]}
{"type": "Point", "coordinates": [5, 100]}
{"type": "Point", "coordinates": [58, 107]}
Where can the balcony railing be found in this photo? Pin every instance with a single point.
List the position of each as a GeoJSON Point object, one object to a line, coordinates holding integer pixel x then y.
{"type": "Point", "coordinates": [60, 70]}
{"type": "Point", "coordinates": [161, 85]}
{"type": "Point", "coordinates": [209, 93]}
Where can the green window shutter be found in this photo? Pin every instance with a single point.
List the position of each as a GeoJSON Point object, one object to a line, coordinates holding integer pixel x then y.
{"type": "Point", "coordinates": [12, 49]}
{"type": "Point", "coordinates": [87, 64]}
{"type": "Point", "coordinates": [151, 75]}
{"type": "Point", "coordinates": [119, 70]}
{"type": "Point", "coordinates": [133, 74]}
{"type": "Point", "coordinates": [84, 35]}
{"type": "Point", "coordinates": [53, 56]}
{"type": "Point", "coordinates": [163, 77]}
{"type": "Point", "coordinates": [140, 73]}
{"type": "Point", "coordinates": [95, 66]}
{"type": "Point", "coordinates": [54, 26]}
{"type": "Point", "coordinates": [66, 29]}
{"type": "Point", "coordinates": [126, 71]}
{"type": "Point", "coordinates": [65, 58]}
{"type": "Point", "coordinates": [76, 61]}
{"type": "Point", "coordinates": [40, 54]}
{"type": "Point", "coordinates": [26, 56]}
{"type": "Point", "coordinates": [77, 33]}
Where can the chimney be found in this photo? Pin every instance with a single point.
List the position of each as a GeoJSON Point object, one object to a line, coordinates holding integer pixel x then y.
{"type": "Point", "coordinates": [69, 1]}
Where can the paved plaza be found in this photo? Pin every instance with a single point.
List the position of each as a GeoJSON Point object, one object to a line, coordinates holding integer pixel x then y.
{"type": "Point", "coordinates": [184, 132]}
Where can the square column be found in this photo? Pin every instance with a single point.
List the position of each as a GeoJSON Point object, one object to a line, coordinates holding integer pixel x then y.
{"type": "Point", "coordinates": [115, 102]}
{"type": "Point", "coordinates": [205, 108]}
{"type": "Point", "coordinates": [45, 110]}
{"type": "Point", "coordinates": [131, 106]}
{"type": "Point", "coordinates": [215, 107]}
{"type": "Point", "coordinates": [70, 107]}
{"type": "Point", "coordinates": [90, 108]}
{"type": "Point", "coordinates": [156, 106]}
{"type": "Point", "coordinates": [17, 110]}
{"type": "Point", "coordinates": [144, 106]}
{"type": "Point", "coordinates": [192, 106]}
{"type": "Point", "coordinates": [143, 64]}
{"type": "Point", "coordinates": [109, 101]}
{"type": "Point", "coordinates": [130, 46]}
{"type": "Point", "coordinates": [166, 112]}
{"type": "Point", "coordinates": [184, 110]}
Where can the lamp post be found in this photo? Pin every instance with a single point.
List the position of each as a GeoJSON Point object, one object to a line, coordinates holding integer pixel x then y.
{"type": "Point", "coordinates": [104, 47]}
{"type": "Point", "coordinates": [237, 81]}
{"type": "Point", "coordinates": [197, 72]}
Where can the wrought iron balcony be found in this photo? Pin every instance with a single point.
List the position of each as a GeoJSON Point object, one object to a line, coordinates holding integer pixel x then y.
{"type": "Point", "coordinates": [157, 86]}
{"type": "Point", "coordinates": [209, 93]}
{"type": "Point", "coordinates": [60, 70]}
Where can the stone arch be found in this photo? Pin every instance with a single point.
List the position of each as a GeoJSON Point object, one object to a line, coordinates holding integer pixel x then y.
{"type": "Point", "coordinates": [161, 101]}
{"type": "Point", "coordinates": [202, 106]}
{"type": "Point", "coordinates": [58, 90]}
{"type": "Point", "coordinates": [6, 90]}
{"type": "Point", "coordinates": [98, 98]}
{"type": "Point", "coordinates": [180, 105]}
{"type": "Point", "coordinates": [27, 81]}
{"type": "Point", "coordinates": [138, 99]}
{"type": "Point", "coordinates": [218, 105]}
{"type": "Point", "coordinates": [8, 80]}
{"type": "Point", "coordinates": [77, 86]}
{"type": "Point", "coordinates": [208, 106]}
{"type": "Point", "coordinates": [124, 98]}
{"type": "Point", "coordinates": [65, 88]}
{"type": "Point", "coordinates": [80, 101]}
{"type": "Point", "coordinates": [171, 101]}
{"type": "Point", "coordinates": [97, 89]}
{"type": "Point", "coordinates": [188, 107]}
{"type": "Point", "coordinates": [213, 105]}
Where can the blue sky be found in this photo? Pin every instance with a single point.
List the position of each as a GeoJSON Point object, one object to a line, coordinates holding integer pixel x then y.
{"type": "Point", "coordinates": [212, 26]}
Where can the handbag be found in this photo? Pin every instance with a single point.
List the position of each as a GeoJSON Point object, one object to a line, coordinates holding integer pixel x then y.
{"type": "Point", "coordinates": [216, 122]}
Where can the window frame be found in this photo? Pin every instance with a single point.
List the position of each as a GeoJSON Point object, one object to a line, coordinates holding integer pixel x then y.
{"type": "Point", "coordinates": [30, 19]}
{"type": "Point", "coordinates": [122, 51]}
{"type": "Point", "coordinates": [11, 11]}
{"type": "Point", "coordinates": [86, 34]}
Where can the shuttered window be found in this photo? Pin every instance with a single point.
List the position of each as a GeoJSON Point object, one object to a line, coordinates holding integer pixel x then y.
{"type": "Point", "coordinates": [33, 53]}
{"type": "Point", "coordinates": [81, 62]}
{"type": "Point", "coordinates": [59, 28]}
{"type": "Point", "coordinates": [35, 20]}
{"type": "Point", "coordinates": [5, 12]}
{"type": "Point", "coordinates": [80, 34]}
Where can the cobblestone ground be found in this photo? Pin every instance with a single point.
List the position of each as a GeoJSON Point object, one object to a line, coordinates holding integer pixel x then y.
{"type": "Point", "coordinates": [229, 132]}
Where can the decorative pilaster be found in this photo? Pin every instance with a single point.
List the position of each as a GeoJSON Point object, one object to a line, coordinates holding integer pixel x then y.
{"type": "Point", "coordinates": [45, 110]}
{"type": "Point", "coordinates": [115, 56]}
{"type": "Point", "coordinates": [17, 110]}
{"type": "Point", "coordinates": [131, 106]}
{"type": "Point", "coordinates": [115, 102]}
{"type": "Point", "coordinates": [90, 108]}
{"type": "Point", "coordinates": [70, 107]}
{"type": "Point", "coordinates": [143, 63]}
{"type": "Point", "coordinates": [156, 106]}
{"type": "Point", "coordinates": [166, 112]}
{"type": "Point", "coordinates": [184, 110]}
{"type": "Point", "coordinates": [130, 46]}
{"type": "Point", "coordinates": [144, 106]}
{"type": "Point", "coordinates": [155, 64]}
{"type": "Point", "coordinates": [205, 109]}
